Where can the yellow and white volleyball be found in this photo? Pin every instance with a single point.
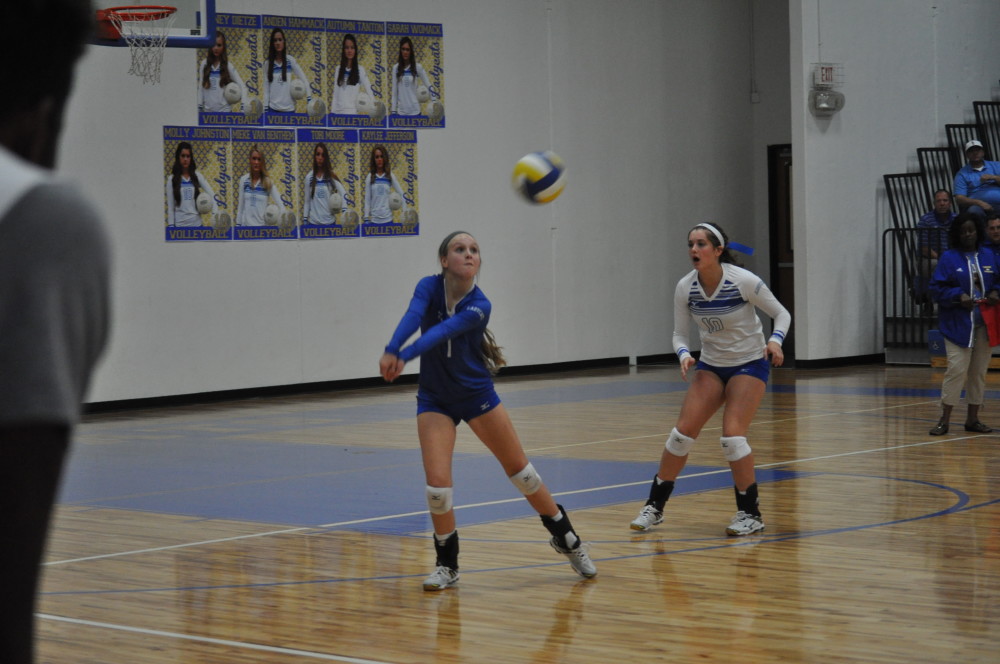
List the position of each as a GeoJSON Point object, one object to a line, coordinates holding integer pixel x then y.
{"type": "Point", "coordinates": [539, 176]}
{"type": "Point", "coordinates": [435, 110]}
{"type": "Point", "coordinates": [365, 104]}
{"type": "Point", "coordinates": [423, 94]}
{"type": "Point", "coordinates": [378, 112]}
{"type": "Point", "coordinates": [410, 217]}
{"type": "Point", "coordinates": [297, 89]}
{"type": "Point", "coordinates": [316, 108]}
{"type": "Point", "coordinates": [349, 218]}
{"type": "Point", "coordinates": [336, 202]}
{"type": "Point", "coordinates": [203, 203]}
{"type": "Point", "coordinates": [232, 93]}
{"type": "Point", "coordinates": [254, 108]}
{"type": "Point", "coordinates": [395, 200]}
{"type": "Point", "coordinates": [272, 215]}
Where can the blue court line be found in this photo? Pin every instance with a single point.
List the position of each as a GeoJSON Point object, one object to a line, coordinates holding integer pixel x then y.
{"type": "Point", "coordinates": [960, 505]}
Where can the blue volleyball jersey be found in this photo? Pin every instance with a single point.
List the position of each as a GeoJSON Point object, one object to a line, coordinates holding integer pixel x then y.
{"type": "Point", "coordinates": [452, 366]}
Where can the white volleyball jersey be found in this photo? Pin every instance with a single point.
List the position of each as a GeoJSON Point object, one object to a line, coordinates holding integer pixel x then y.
{"type": "Point", "coordinates": [731, 333]}
{"type": "Point", "coordinates": [253, 201]}
{"type": "Point", "coordinates": [345, 97]}
{"type": "Point", "coordinates": [404, 90]}
{"type": "Point", "coordinates": [377, 198]}
{"type": "Point", "coordinates": [277, 93]}
{"type": "Point", "coordinates": [186, 213]}
{"type": "Point", "coordinates": [211, 99]}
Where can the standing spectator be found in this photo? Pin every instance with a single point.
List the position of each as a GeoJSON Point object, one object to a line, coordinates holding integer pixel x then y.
{"type": "Point", "coordinates": [54, 303]}
{"type": "Point", "coordinates": [966, 277]}
{"type": "Point", "coordinates": [977, 184]}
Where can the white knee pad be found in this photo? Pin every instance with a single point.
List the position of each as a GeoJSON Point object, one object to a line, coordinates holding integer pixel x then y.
{"type": "Point", "coordinates": [439, 499]}
{"type": "Point", "coordinates": [678, 444]}
{"type": "Point", "coordinates": [735, 447]}
{"type": "Point", "coordinates": [527, 480]}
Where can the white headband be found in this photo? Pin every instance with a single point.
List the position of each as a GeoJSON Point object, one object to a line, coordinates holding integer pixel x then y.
{"type": "Point", "coordinates": [715, 232]}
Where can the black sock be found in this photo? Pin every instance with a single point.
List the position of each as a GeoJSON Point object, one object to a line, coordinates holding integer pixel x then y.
{"type": "Point", "coordinates": [659, 493]}
{"type": "Point", "coordinates": [747, 501]}
{"type": "Point", "coordinates": [447, 551]}
{"type": "Point", "coordinates": [562, 529]}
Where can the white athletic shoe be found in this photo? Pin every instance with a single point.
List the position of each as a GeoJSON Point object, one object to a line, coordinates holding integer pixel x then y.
{"type": "Point", "coordinates": [648, 517]}
{"type": "Point", "coordinates": [745, 524]}
{"type": "Point", "coordinates": [579, 558]}
{"type": "Point", "coordinates": [441, 578]}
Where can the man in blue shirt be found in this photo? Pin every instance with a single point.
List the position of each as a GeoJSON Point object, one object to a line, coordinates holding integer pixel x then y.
{"type": "Point", "coordinates": [977, 184]}
{"type": "Point", "coordinates": [932, 238]}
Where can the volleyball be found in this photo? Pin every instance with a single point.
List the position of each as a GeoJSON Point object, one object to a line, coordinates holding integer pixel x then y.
{"type": "Point", "coordinates": [203, 203]}
{"type": "Point", "coordinates": [540, 176]}
{"type": "Point", "coordinates": [410, 217]}
{"type": "Point", "coordinates": [349, 218]}
{"type": "Point", "coordinates": [336, 203]}
{"type": "Point", "coordinates": [423, 94]}
{"type": "Point", "coordinates": [232, 93]}
{"type": "Point", "coordinates": [297, 89]}
{"type": "Point", "coordinates": [378, 111]}
{"type": "Point", "coordinates": [395, 200]}
{"type": "Point", "coordinates": [365, 104]}
{"type": "Point", "coordinates": [435, 110]}
{"type": "Point", "coordinates": [316, 108]}
{"type": "Point", "coordinates": [272, 215]}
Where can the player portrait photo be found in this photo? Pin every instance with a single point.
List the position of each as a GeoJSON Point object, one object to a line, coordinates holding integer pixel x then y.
{"type": "Point", "coordinates": [415, 65]}
{"type": "Point", "coordinates": [329, 184]}
{"type": "Point", "coordinates": [388, 172]}
{"type": "Point", "coordinates": [197, 185]}
{"type": "Point", "coordinates": [228, 77]}
{"type": "Point", "coordinates": [263, 167]}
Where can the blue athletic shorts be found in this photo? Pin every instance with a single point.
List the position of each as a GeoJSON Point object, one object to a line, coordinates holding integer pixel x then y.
{"type": "Point", "coordinates": [758, 369]}
{"type": "Point", "coordinates": [461, 410]}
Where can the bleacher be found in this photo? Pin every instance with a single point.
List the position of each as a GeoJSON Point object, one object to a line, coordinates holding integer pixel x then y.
{"type": "Point", "coordinates": [908, 313]}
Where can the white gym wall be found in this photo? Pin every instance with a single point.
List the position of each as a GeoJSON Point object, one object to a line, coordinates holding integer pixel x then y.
{"type": "Point", "coordinates": [647, 101]}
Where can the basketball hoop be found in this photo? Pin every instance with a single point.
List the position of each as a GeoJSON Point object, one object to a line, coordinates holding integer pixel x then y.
{"type": "Point", "coordinates": [145, 29]}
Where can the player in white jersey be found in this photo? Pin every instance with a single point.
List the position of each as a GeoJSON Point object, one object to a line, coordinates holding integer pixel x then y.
{"type": "Point", "coordinates": [406, 74]}
{"type": "Point", "coordinates": [321, 183]}
{"type": "Point", "coordinates": [215, 73]}
{"type": "Point", "coordinates": [348, 79]}
{"type": "Point", "coordinates": [184, 184]}
{"type": "Point", "coordinates": [720, 298]}
{"type": "Point", "coordinates": [378, 184]}
{"type": "Point", "coordinates": [277, 81]}
{"type": "Point", "coordinates": [254, 190]}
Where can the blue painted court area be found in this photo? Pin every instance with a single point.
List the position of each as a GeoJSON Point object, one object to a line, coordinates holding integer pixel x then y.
{"type": "Point", "coordinates": [313, 485]}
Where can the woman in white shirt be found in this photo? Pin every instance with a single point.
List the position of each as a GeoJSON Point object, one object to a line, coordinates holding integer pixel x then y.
{"type": "Point", "coordinates": [349, 79]}
{"type": "Point", "coordinates": [407, 75]}
{"type": "Point", "coordinates": [184, 184]}
{"type": "Point", "coordinates": [277, 81]}
{"type": "Point", "coordinates": [255, 188]}
{"type": "Point", "coordinates": [378, 185]}
{"type": "Point", "coordinates": [722, 299]}
{"type": "Point", "coordinates": [321, 183]}
{"type": "Point", "coordinates": [216, 74]}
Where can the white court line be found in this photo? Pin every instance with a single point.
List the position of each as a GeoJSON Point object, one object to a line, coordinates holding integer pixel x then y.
{"type": "Point", "coordinates": [206, 639]}
{"type": "Point", "coordinates": [518, 499]}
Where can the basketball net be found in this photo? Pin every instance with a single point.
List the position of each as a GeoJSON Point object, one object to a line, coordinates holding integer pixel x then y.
{"type": "Point", "coordinates": [145, 32]}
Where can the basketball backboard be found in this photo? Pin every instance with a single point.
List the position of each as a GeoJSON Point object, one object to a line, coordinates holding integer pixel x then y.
{"type": "Point", "coordinates": [194, 26]}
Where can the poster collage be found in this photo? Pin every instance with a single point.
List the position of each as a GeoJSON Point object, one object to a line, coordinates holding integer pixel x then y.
{"type": "Point", "coordinates": [307, 129]}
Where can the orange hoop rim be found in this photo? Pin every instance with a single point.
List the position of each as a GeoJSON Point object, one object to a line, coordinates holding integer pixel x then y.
{"type": "Point", "coordinates": [138, 12]}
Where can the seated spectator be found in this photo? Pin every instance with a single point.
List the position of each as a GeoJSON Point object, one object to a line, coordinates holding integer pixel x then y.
{"type": "Point", "coordinates": [932, 239]}
{"type": "Point", "coordinates": [977, 184]}
{"type": "Point", "coordinates": [993, 232]}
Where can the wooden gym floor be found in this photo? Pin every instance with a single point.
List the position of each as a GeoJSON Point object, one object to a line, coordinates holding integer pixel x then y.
{"type": "Point", "coordinates": [293, 530]}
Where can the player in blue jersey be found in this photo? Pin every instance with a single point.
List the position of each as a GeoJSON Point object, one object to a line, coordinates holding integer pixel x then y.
{"type": "Point", "coordinates": [457, 359]}
{"type": "Point", "coordinates": [721, 299]}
